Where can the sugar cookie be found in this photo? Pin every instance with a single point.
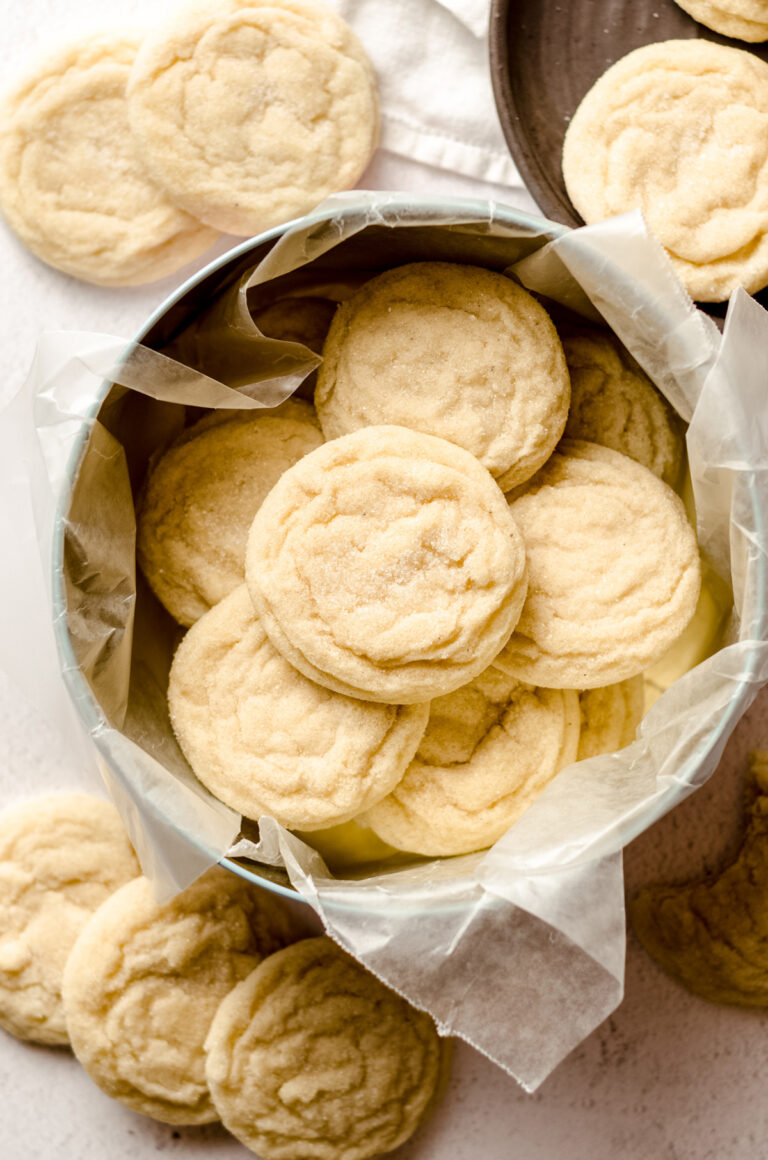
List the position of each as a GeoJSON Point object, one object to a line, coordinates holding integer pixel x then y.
{"type": "Point", "coordinates": [614, 403]}
{"type": "Point", "coordinates": [680, 130]}
{"type": "Point", "coordinates": [144, 980]}
{"type": "Point", "coordinates": [455, 351]}
{"type": "Point", "coordinates": [202, 494]}
{"type": "Point", "coordinates": [610, 717]}
{"type": "Point", "coordinates": [265, 740]}
{"type": "Point", "coordinates": [60, 858]}
{"type": "Point", "coordinates": [313, 1056]}
{"type": "Point", "coordinates": [386, 565]}
{"type": "Point", "coordinates": [490, 748]}
{"type": "Point", "coordinates": [613, 570]}
{"type": "Point", "coordinates": [249, 113]}
{"type": "Point", "coordinates": [741, 19]}
{"type": "Point", "coordinates": [712, 936]}
{"type": "Point", "coordinates": [71, 183]}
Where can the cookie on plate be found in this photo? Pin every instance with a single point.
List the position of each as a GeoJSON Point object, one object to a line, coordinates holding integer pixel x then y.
{"type": "Point", "coordinates": [741, 19]}
{"type": "Point", "coordinates": [60, 858]}
{"type": "Point", "coordinates": [489, 749]}
{"type": "Point", "coordinates": [613, 402]}
{"type": "Point", "coordinates": [455, 351]}
{"type": "Point", "coordinates": [613, 570]}
{"type": "Point", "coordinates": [266, 740]}
{"type": "Point", "coordinates": [313, 1056]}
{"type": "Point", "coordinates": [201, 495]}
{"type": "Point", "coordinates": [144, 980]}
{"type": "Point", "coordinates": [610, 717]}
{"type": "Point", "coordinates": [250, 112]}
{"type": "Point", "coordinates": [677, 129]}
{"type": "Point", "coordinates": [72, 185]}
{"type": "Point", "coordinates": [386, 565]}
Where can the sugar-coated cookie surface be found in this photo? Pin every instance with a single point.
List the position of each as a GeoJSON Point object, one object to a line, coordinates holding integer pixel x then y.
{"type": "Point", "coordinates": [72, 185]}
{"type": "Point", "coordinates": [312, 1056]}
{"type": "Point", "coordinates": [609, 717]}
{"type": "Point", "coordinates": [614, 403]}
{"type": "Point", "coordinates": [144, 980]}
{"type": "Point", "coordinates": [489, 749]}
{"type": "Point", "coordinates": [249, 113]}
{"type": "Point", "coordinates": [386, 565]}
{"type": "Point", "coordinates": [60, 858]}
{"type": "Point", "coordinates": [455, 351]}
{"type": "Point", "coordinates": [741, 19]}
{"type": "Point", "coordinates": [201, 496]}
{"type": "Point", "coordinates": [266, 740]}
{"type": "Point", "coordinates": [679, 129]}
{"type": "Point", "coordinates": [613, 570]}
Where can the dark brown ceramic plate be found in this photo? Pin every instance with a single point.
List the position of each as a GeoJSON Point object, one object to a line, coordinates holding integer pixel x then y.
{"type": "Point", "coordinates": [546, 54]}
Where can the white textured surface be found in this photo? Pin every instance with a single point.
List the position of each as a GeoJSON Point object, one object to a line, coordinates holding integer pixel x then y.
{"type": "Point", "coordinates": [668, 1076]}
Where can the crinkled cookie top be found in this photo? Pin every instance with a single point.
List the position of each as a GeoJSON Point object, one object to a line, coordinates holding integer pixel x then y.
{"type": "Point", "coordinates": [613, 565]}
{"type": "Point", "coordinates": [313, 1056]}
{"type": "Point", "coordinates": [679, 129]}
{"type": "Point", "coordinates": [386, 565]}
{"type": "Point", "coordinates": [455, 351]}
{"type": "Point", "coordinates": [266, 740]}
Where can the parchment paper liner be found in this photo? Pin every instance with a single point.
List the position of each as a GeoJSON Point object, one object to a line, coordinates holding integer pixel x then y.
{"type": "Point", "coordinates": [518, 950]}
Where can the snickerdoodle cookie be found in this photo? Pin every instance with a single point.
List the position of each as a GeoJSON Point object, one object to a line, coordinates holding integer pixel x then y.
{"type": "Point", "coordinates": [250, 112]}
{"type": "Point", "coordinates": [60, 858]}
{"type": "Point", "coordinates": [312, 1056]}
{"type": "Point", "coordinates": [386, 565]}
{"type": "Point", "coordinates": [680, 130]}
{"type": "Point", "coordinates": [265, 740]}
{"type": "Point", "coordinates": [741, 19]}
{"type": "Point", "coordinates": [613, 567]}
{"type": "Point", "coordinates": [610, 717]}
{"type": "Point", "coordinates": [144, 980]}
{"type": "Point", "coordinates": [489, 749]}
{"type": "Point", "coordinates": [613, 402]}
{"type": "Point", "coordinates": [455, 351]}
{"type": "Point", "coordinates": [72, 185]}
{"type": "Point", "coordinates": [202, 494]}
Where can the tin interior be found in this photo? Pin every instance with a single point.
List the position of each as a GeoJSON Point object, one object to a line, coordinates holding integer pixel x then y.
{"type": "Point", "coordinates": [142, 425]}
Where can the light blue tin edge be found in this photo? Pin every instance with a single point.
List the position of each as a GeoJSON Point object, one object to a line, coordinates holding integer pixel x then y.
{"type": "Point", "coordinates": [85, 703]}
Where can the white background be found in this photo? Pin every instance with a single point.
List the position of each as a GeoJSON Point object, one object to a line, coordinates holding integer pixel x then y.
{"type": "Point", "coordinates": [668, 1076]}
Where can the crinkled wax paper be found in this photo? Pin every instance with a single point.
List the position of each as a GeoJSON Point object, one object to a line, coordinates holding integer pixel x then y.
{"type": "Point", "coordinates": [518, 950]}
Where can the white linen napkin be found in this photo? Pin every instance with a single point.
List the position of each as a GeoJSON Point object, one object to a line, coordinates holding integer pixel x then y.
{"type": "Point", "coordinates": [431, 62]}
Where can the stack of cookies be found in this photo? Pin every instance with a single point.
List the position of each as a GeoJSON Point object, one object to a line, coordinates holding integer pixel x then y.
{"type": "Point", "coordinates": [210, 1006]}
{"type": "Point", "coordinates": [419, 622]}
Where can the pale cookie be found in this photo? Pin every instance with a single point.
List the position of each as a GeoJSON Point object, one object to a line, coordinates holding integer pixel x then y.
{"type": "Point", "coordinates": [72, 185]}
{"type": "Point", "coordinates": [712, 935]}
{"type": "Point", "coordinates": [610, 717]}
{"type": "Point", "coordinates": [202, 494]}
{"type": "Point", "coordinates": [265, 740]}
{"type": "Point", "coordinates": [680, 130]}
{"type": "Point", "coordinates": [741, 19]}
{"type": "Point", "coordinates": [614, 403]}
{"type": "Point", "coordinates": [489, 750]}
{"type": "Point", "coordinates": [454, 351]}
{"type": "Point", "coordinates": [60, 858]}
{"type": "Point", "coordinates": [144, 980]}
{"type": "Point", "coordinates": [312, 1056]}
{"type": "Point", "coordinates": [250, 113]}
{"type": "Point", "coordinates": [386, 565]}
{"type": "Point", "coordinates": [613, 570]}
